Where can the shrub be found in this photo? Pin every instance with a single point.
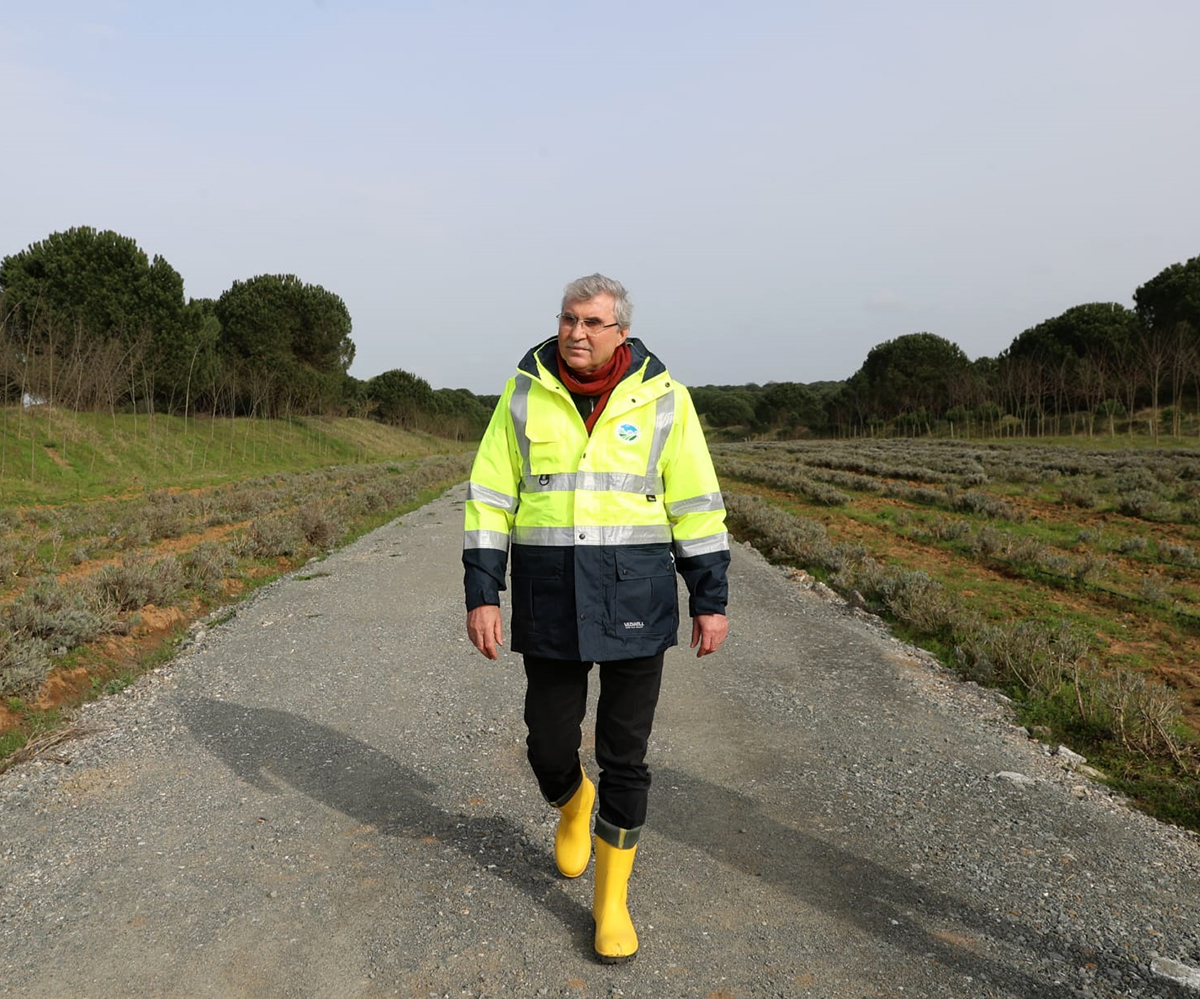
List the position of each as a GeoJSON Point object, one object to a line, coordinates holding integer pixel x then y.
{"type": "Point", "coordinates": [207, 565]}
{"type": "Point", "coordinates": [1133, 546]}
{"type": "Point", "coordinates": [42, 516]}
{"type": "Point", "coordinates": [930, 497]}
{"type": "Point", "coordinates": [272, 537]}
{"type": "Point", "coordinates": [847, 480]}
{"type": "Point", "coordinates": [137, 582]}
{"type": "Point", "coordinates": [1048, 560]}
{"type": "Point", "coordinates": [1031, 655]}
{"type": "Point", "coordinates": [318, 526]}
{"type": "Point", "coordinates": [23, 664]}
{"type": "Point", "coordinates": [1142, 503]}
{"type": "Point", "coordinates": [11, 558]}
{"type": "Point", "coordinates": [990, 506]}
{"type": "Point", "coordinates": [1142, 715]}
{"type": "Point", "coordinates": [783, 537]}
{"type": "Point", "coordinates": [990, 541]}
{"type": "Point", "coordinates": [819, 492]}
{"type": "Point", "coordinates": [136, 534]}
{"type": "Point", "coordinates": [1153, 590]}
{"type": "Point", "coordinates": [163, 516]}
{"type": "Point", "coordinates": [1077, 494]}
{"type": "Point", "coordinates": [1090, 568]}
{"type": "Point", "coordinates": [59, 616]}
{"type": "Point", "coordinates": [1136, 479]}
{"type": "Point", "coordinates": [1177, 554]}
{"type": "Point", "coordinates": [908, 595]}
{"type": "Point", "coordinates": [948, 529]}
{"type": "Point", "coordinates": [243, 502]}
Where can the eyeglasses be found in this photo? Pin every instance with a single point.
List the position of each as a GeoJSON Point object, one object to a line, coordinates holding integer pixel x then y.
{"type": "Point", "coordinates": [592, 325]}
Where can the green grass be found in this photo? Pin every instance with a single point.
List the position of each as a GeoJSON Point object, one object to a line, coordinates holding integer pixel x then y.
{"type": "Point", "coordinates": [33, 724]}
{"type": "Point", "coordinates": [11, 741]}
{"type": "Point", "coordinates": [103, 455]}
{"type": "Point", "coordinates": [114, 685]}
{"type": "Point", "coordinates": [1123, 441]}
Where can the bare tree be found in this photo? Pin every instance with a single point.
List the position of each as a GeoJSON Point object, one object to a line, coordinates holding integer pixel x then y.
{"type": "Point", "coordinates": [1181, 348]}
{"type": "Point", "coordinates": [1092, 379]}
{"type": "Point", "coordinates": [1155, 354]}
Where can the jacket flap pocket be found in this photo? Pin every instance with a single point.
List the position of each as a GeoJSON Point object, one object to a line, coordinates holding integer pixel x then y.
{"type": "Point", "coordinates": [544, 425]}
{"type": "Point", "coordinates": [643, 563]}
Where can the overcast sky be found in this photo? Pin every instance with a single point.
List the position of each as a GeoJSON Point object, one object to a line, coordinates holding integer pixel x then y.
{"type": "Point", "coordinates": [780, 185]}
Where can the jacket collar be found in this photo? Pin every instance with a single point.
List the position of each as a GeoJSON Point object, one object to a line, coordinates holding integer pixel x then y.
{"type": "Point", "coordinates": [539, 362]}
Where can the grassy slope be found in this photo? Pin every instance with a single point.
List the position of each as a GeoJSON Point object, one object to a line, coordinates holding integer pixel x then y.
{"type": "Point", "coordinates": [52, 456]}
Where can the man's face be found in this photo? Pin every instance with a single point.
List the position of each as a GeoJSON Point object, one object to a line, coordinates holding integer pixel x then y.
{"type": "Point", "coordinates": [587, 352]}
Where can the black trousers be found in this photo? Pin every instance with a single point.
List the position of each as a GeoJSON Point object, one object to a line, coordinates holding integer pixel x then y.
{"type": "Point", "coordinates": [555, 704]}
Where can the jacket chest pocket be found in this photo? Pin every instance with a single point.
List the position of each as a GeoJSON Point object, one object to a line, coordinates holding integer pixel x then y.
{"type": "Point", "coordinates": [553, 446]}
{"type": "Point", "coordinates": [550, 456]}
{"type": "Point", "coordinates": [645, 596]}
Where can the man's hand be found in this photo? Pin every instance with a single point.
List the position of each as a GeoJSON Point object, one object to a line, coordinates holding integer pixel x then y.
{"type": "Point", "coordinates": [485, 630]}
{"type": "Point", "coordinates": [709, 631]}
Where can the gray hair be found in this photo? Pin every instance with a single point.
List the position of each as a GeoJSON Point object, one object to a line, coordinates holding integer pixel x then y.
{"type": "Point", "coordinates": [581, 289]}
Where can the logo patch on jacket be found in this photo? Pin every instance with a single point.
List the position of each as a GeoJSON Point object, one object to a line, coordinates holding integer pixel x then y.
{"type": "Point", "coordinates": [634, 624]}
{"type": "Point", "coordinates": [628, 432]}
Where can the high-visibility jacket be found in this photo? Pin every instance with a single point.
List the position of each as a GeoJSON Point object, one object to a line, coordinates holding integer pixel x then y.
{"type": "Point", "coordinates": [597, 525]}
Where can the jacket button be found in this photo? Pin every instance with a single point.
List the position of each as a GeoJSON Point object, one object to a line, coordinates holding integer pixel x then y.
{"type": "Point", "coordinates": [582, 617]}
{"type": "Point", "coordinates": [582, 537]}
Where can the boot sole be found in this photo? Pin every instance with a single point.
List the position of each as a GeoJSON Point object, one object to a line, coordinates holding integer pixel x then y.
{"type": "Point", "coordinates": [616, 958]}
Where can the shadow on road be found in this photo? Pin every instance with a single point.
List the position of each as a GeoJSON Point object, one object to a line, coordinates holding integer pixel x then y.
{"type": "Point", "coordinates": [891, 907]}
{"type": "Point", "coordinates": [262, 745]}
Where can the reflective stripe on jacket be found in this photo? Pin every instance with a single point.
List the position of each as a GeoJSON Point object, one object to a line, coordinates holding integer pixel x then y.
{"type": "Point", "coordinates": [597, 526]}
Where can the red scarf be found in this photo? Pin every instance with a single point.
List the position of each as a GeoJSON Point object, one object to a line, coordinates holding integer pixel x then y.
{"type": "Point", "coordinates": [600, 382]}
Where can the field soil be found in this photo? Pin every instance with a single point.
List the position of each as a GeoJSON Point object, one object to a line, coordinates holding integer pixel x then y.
{"type": "Point", "coordinates": [327, 795]}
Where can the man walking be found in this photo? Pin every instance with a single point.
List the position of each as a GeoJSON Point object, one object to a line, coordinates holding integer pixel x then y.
{"type": "Point", "coordinates": [594, 473]}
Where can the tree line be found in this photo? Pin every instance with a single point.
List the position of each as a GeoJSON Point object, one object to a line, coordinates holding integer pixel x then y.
{"type": "Point", "coordinates": [1096, 368]}
{"type": "Point", "coordinates": [89, 322]}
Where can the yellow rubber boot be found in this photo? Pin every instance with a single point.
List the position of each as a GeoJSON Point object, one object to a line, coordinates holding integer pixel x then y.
{"type": "Point", "coordinates": [573, 840]}
{"type": "Point", "coordinates": [616, 939]}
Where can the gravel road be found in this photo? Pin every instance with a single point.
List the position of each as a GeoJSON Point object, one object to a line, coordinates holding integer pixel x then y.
{"type": "Point", "coordinates": [327, 796]}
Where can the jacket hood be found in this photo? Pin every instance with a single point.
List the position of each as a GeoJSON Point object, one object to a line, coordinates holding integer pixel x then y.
{"type": "Point", "coordinates": [547, 352]}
